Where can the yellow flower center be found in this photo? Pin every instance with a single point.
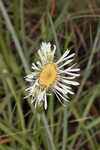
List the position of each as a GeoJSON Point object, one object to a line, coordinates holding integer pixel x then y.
{"type": "Point", "coordinates": [48, 75]}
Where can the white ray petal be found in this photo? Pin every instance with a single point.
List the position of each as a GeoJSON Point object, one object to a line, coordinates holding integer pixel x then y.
{"type": "Point", "coordinates": [44, 53]}
{"type": "Point", "coordinates": [72, 55]}
{"type": "Point", "coordinates": [32, 88]}
{"type": "Point", "coordinates": [46, 47]}
{"type": "Point", "coordinates": [66, 63]}
{"type": "Point", "coordinates": [34, 67]}
{"type": "Point", "coordinates": [59, 98]}
{"type": "Point", "coordinates": [38, 63]}
{"type": "Point", "coordinates": [29, 76]}
{"type": "Point", "coordinates": [36, 103]}
{"type": "Point", "coordinates": [62, 96]}
{"type": "Point", "coordinates": [49, 47]}
{"type": "Point", "coordinates": [33, 100]}
{"type": "Point", "coordinates": [74, 70]}
{"type": "Point", "coordinates": [64, 55]}
{"type": "Point", "coordinates": [27, 96]}
{"type": "Point", "coordinates": [72, 66]}
{"type": "Point", "coordinates": [60, 90]}
{"type": "Point", "coordinates": [54, 49]}
{"type": "Point", "coordinates": [40, 55]}
{"type": "Point", "coordinates": [43, 46]}
{"type": "Point", "coordinates": [65, 88]}
{"type": "Point", "coordinates": [40, 96]}
{"type": "Point", "coordinates": [29, 80]}
{"type": "Point", "coordinates": [44, 60]}
{"type": "Point", "coordinates": [45, 102]}
{"type": "Point", "coordinates": [69, 73]}
{"type": "Point", "coordinates": [28, 89]}
{"type": "Point", "coordinates": [70, 82]}
{"type": "Point", "coordinates": [73, 77]}
{"type": "Point", "coordinates": [72, 74]}
{"type": "Point", "coordinates": [68, 57]}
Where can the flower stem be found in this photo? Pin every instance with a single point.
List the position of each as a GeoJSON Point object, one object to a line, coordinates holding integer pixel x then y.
{"type": "Point", "coordinates": [48, 131]}
{"type": "Point", "coordinates": [64, 129]}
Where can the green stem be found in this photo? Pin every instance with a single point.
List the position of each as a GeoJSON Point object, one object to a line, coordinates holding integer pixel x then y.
{"type": "Point", "coordinates": [48, 131]}
{"type": "Point", "coordinates": [64, 129]}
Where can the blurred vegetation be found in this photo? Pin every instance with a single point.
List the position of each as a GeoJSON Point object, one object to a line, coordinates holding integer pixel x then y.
{"type": "Point", "coordinates": [24, 24]}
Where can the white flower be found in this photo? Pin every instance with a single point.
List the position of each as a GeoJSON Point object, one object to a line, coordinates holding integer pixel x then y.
{"type": "Point", "coordinates": [48, 74]}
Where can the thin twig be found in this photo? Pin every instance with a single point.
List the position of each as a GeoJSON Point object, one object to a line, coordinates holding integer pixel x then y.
{"type": "Point", "coordinates": [8, 140]}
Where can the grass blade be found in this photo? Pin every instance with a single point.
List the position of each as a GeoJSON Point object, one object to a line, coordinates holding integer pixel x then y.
{"type": "Point", "coordinates": [14, 36]}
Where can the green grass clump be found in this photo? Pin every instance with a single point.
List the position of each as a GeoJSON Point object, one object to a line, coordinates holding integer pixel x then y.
{"type": "Point", "coordinates": [68, 24]}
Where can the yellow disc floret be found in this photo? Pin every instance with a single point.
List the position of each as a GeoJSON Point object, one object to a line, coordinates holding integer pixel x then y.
{"type": "Point", "coordinates": [48, 75]}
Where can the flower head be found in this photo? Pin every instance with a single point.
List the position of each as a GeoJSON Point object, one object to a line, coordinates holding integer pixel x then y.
{"type": "Point", "coordinates": [48, 74]}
